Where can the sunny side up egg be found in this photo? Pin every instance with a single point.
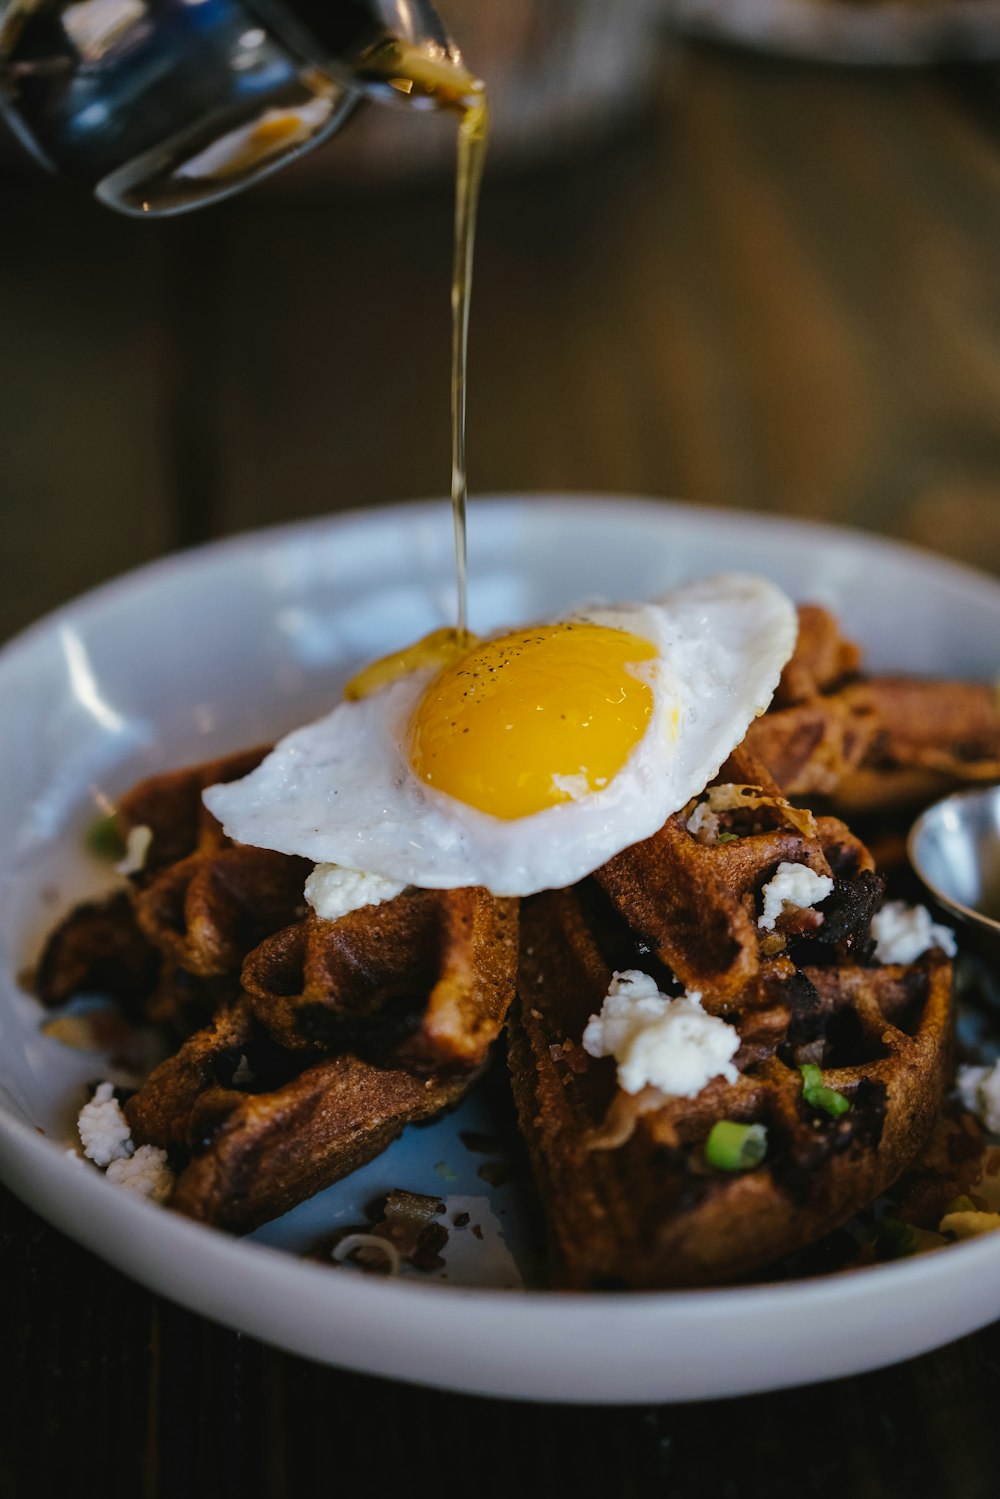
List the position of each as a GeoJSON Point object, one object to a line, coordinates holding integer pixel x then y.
{"type": "Point", "coordinates": [526, 763]}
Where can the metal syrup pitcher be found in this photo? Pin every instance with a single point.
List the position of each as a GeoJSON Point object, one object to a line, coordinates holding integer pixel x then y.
{"type": "Point", "coordinates": [163, 105]}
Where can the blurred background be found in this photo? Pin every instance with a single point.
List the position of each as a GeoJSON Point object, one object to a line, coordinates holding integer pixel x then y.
{"type": "Point", "coordinates": [738, 252]}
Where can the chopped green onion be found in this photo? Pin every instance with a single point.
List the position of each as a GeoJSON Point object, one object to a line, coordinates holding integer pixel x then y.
{"type": "Point", "coordinates": [895, 1239]}
{"type": "Point", "coordinates": [735, 1147]}
{"type": "Point", "coordinates": [819, 1097]}
{"type": "Point", "coordinates": [103, 838]}
{"type": "Point", "coordinates": [726, 838]}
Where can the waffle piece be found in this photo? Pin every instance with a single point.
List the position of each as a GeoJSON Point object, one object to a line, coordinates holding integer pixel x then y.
{"type": "Point", "coordinates": [254, 1128]}
{"type": "Point", "coordinates": [170, 805]}
{"type": "Point", "coordinates": [629, 1196]}
{"type": "Point", "coordinates": [871, 743]}
{"type": "Point", "coordinates": [929, 737]}
{"type": "Point", "coordinates": [174, 941]}
{"type": "Point", "coordinates": [822, 660]}
{"type": "Point", "coordinates": [97, 949]}
{"type": "Point", "coordinates": [201, 900]}
{"type": "Point", "coordinates": [207, 911]}
{"type": "Point", "coordinates": [690, 897]}
{"type": "Point", "coordinates": [435, 970]}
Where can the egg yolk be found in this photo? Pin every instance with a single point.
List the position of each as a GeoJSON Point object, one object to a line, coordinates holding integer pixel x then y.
{"type": "Point", "coordinates": [539, 717]}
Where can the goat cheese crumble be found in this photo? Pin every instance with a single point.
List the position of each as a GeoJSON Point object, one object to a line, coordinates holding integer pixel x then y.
{"type": "Point", "coordinates": [145, 1172]}
{"type": "Point", "coordinates": [103, 1128]}
{"type": "Point", "coordinates": [332, 890]}
{"type": "Point", "coordinates": [793, 885]}
{"type": "Point", "coordinates": [904, 933]}
{"type": "Point", "coordinates": [107, 1141]}
{"type": "Point", "coordinates": [659, 1042]}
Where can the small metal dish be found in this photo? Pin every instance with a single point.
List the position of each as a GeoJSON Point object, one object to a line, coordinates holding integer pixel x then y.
{"type": "Point", "coordinates": [954, 846]}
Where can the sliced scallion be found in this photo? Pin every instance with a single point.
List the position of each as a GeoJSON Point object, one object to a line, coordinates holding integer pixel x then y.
{"type": "Point", "coordinates": [819, 1097]}
{"type": "Point", "coordinates": [103, 838]}
{"type": "Point", "coordinates": [735, 1147]}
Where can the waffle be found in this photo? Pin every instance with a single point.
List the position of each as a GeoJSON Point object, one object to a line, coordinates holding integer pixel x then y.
{"type": "Point", "coordinates": [97, 949]}
{"type": "Point", "coordinates": [455, 950]}
{"type": "Point", "coordinates": [686, 898]}
{"type": "Point", "coordinates": [254, 1128]}
{"type": "Point", "coordinates": [173, 945]}
{"type": "Point", "coordinates": [629, 1195]}
{"type": "Point", "coordinates": [871, 743]}
{"type": "Point", "coordinates": [200, 900]}
{"type": "Point", "coordinates": [309, 1044]}
{"type": "Point", "coordinates": [347, 1030]}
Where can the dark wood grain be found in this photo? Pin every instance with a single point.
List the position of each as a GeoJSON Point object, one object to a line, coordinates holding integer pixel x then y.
{"type": "Point", "coordinates": [127, 1394]}
{"type": "Point", "coordinates": [779, 293]}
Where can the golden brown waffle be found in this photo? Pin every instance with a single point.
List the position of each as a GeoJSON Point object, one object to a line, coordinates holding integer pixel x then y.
{"type": "Point", "coordinates": [350, 1029]}
{"type": "Point", "coordinates": [870, 744]}
{"type": "Point", "coordinates": [97, 949]}
{"type": "Point", "coordinates": [201, 900]}
{"type": "Point", "coordinates": [629, 1197]}
{"type": "Point", "coordinates": [254, 1128]}
{"type": "Point", "coordinates": [823, 659]}
{"type": "Point", "coordinates": [438, 965]}
{"type": "Point", "coordinates": [175, 942]}
{"type": "Point", "coordinates": [170, 805]}
{"type": "Point", "coordinates": [690, 898]}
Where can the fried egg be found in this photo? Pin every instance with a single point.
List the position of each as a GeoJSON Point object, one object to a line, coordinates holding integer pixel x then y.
{"type": "Point", "coordinates": [529, 759]}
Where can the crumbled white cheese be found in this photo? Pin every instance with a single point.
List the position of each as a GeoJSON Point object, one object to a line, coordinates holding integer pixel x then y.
{"type": "Point", "coordinates": [146, 1172]}
{"type": "Point", "coordinates": [332, 890]}
{"type": "Point", "coordinates": [107, 1141]}
{"type": "Point", "coordinates": [703, 823]}
{"type": "Point", "coordinates": [793, 885]}
{"type": "Point", "coordinates": [104, 1129]}
{"type": "Point", "coordinates": [979, 1090]}
{"type": "Point", "coordinates": [904, 933]}
{"type": "Point", "coordinates": [659, 1042]}
{"type": "Point", "coordinates": [136, 850]}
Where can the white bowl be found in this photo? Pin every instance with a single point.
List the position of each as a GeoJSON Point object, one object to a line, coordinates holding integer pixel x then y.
{"type": "Point", "coordinates": [231, 644]}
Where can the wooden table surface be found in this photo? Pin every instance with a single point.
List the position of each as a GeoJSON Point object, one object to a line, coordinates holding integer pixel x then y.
{"type": "Point", "coordinates": [778, 292]}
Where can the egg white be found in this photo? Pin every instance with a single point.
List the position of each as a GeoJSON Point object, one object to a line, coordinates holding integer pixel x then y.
{"type": "Point", "coordinates": [341, 791]}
